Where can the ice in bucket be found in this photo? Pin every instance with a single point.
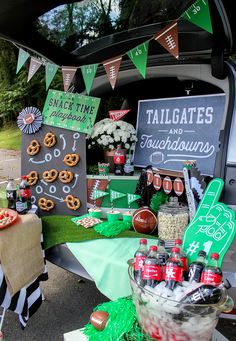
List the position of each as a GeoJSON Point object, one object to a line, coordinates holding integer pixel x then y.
{"type": "Point", "coordinates": [168, 319]}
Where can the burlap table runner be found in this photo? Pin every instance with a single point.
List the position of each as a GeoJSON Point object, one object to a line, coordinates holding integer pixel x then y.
{"type": "Point", "coordinates": [21, 253]}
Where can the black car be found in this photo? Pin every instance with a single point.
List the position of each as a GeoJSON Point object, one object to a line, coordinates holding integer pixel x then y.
{"type": "Point", "coordinates": [205, 66]}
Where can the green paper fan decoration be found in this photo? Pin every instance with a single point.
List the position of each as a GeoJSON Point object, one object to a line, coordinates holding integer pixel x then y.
{"type": "Point", "coordinates": [112, 229]}
{"type": "Point", "coordinates": [122, 317]}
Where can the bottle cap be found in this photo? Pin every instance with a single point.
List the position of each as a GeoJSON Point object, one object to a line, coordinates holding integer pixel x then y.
{"type": "Point", "coordinates": [202, 253]}
{"type": "Point", "coordinates": [143, 241]}
{"type": "Point", "coordinates": [23, 177]}
{"type": "Point", "coordinates": [175, 249]}
{"type": "Point", "coordinates": [178, 241]}
{"type": "Point", "coordinates": [215, 255]}
{"type": "Point", "coordinates": [153, 248]}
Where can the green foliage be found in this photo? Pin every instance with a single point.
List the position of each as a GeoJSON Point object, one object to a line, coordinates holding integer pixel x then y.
{"type": "Point", "coordinates": [158, 199]}
{"type": "Point", "coordinates": [10, 137]}
{"type": "Point", "coordinates": [15, 92]}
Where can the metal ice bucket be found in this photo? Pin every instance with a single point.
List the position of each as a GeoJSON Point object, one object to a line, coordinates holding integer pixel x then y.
{"type": "Point", "coordinates": [164, 319]}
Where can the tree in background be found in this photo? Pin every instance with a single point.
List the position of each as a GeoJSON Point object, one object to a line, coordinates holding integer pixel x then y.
{"type": "Point", "coordinates": [15, 92]}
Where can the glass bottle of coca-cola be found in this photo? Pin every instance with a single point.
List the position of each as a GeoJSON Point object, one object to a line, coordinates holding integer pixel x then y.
{"type": "Point", "coordinates": [119, 160]}
{"type": "Point", "coordinates": [173, 270]}
{"type": "Point", "coordinates": [212, 273]}
{"type": "Point", "coordinates": [24, 193]}
{"type": "Point", "coordinates": [162, 254]}
{"type": "Point", "coordinates": [207, 294]}
{"type": "Point", "coordinates": [196, 267]}
{"type": "Point", "coordinates": [183, 258]}
{"type": "Point", "coordinates": [152, 269]}
{"type": "Point", "coordinates": [11, 194]}
{"type": "Point", "coordinates": [139, 258]}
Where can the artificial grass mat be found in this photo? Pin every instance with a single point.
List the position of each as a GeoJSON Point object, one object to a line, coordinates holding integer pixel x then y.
{"type": "Point", "coordinates": [59, 229]}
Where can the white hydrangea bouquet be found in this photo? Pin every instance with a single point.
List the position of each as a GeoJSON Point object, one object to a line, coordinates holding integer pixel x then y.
{"type": "Point", "coordinates": [108, 133]}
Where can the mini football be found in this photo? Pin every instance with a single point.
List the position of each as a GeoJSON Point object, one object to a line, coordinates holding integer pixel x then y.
{"type": "Point", "coordinates": [144, 220]}
{"type": "Point", "coordinates": [99, 319]}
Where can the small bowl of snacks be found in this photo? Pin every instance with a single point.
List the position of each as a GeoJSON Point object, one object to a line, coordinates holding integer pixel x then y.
{"type": "Point", "coordinates": [7, 217]}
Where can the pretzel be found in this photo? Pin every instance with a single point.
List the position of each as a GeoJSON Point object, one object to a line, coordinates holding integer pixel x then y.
{"type": "Point", "coordinates": [32, 178]}
{"type": "Point", "coordinates": [50, 140]}
{"type": "Point", "coordinates": [71, 159]}
{"type": "Point", "coordinates": [66, 176]}
{"type": "Point", "coordinates": [72, 202]}
{"type": "Point", "coordinates": [45, 204]}
{"type": "Point", "coordinates": [50, 175]}
{"type": "Point", "coordinates": [33, 147]}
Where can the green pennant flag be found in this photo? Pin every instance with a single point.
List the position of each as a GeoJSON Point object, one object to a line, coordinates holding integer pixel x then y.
{"type": "Point", "coordinates": [89, 72]}
{"type": "Point", "coordinates": [116, 195]}
{"type": "Point", "coordinates": [199, 14]}
{"type": "Point", "coordinates": [98, 194]}
{"type": "Point", "coordinates": [50, 70]}
{"type": "Point", "coordinates": [132, 197]}
{"type": "Point", "coordinates": [138, 56]}
{"type": "Point", "coordinates": [22, 57]}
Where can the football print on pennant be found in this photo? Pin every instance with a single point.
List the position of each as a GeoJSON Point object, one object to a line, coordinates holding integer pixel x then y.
{"type": "Point", "coordinates": [178, 186]}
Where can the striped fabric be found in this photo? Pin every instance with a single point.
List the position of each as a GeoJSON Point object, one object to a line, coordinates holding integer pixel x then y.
{"type": "Point", "coordinates": [27, 301]}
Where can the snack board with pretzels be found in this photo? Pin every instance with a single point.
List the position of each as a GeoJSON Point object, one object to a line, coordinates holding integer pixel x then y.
{"type": "Point", "coordinates": [54, 160]}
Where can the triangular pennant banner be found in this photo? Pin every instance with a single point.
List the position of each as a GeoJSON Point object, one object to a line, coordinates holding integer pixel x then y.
{"type": "Point", "coordinates": [68, 73]}
{"type": "Point", "coordinates": [132, 197]}
{"type": "Point", "coordinates": [34, 66]}
{"type": "Point", "coordinates": [116, 195]}
{"type": "Point", "coordinates": [89, 72]}
{"type": "Point", "coordinates": [138, 56]}
{"type": "Point", "coordinates": [50, 71]}
{"type": "Point", "coordinates": [22, 57]}
{"type": "Point", "coordinates": [112, 68]}
{"type": "Point", "coordinates": [168, 38]}
{"type": "Point", "coordinates": [97, 193]}
{"type": "Point", "coordinates": [116, 115]}
{"type": "Point", "coordinates": [199, 14]}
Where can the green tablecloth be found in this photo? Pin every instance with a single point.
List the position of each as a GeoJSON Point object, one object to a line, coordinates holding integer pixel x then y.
{"type": "Point", "coordinates": [60, 229]}
{"type": "Point", "coordinates": [106, 262]}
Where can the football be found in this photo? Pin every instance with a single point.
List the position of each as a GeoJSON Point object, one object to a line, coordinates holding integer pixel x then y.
{"type": "Point", "coordinates": [167, 185]}
{"type": "Point", "coordinates": [99, 319]}
{"type": "Point", "coordinates": [144, 220]}
{"type": "Point", "coordinates": [178, 186]}
{"type": "Point", "coordinates": [157, 182]}
{"type": "Point", "coordinates": [93, 184]}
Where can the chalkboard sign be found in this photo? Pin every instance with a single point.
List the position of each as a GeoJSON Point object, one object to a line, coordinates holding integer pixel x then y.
{"type": "Point", "coordinates": [172, 130]}
{"type": "Point", "coordinates": [51, 158]}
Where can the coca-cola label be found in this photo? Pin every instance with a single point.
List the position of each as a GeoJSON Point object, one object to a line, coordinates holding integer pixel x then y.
{"type": "Point", "coordinates": [119, 159]}
{"type": "Point", "coordinates": [211, 278]}
{"type": "Point", "coordinates": [25, 193]}
{"type": "Point", "coordinates": [138, 262]}
{"type": "Point", "coordinates": [185, 263]}
{"type": "Point", "coordinates": [152, 271]}
{"type": "Point", "coordinates": [173, 273]}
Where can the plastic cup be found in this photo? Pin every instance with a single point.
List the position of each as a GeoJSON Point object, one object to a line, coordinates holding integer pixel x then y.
{"type": "Point", "coordinates": [113, 215]}
{"type": "Point", "coordinates": [127, 216]}
{"type": "Point", "coordinates": [95, 212]}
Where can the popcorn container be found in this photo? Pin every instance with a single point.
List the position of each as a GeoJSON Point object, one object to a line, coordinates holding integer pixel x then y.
{"type": "Point", "coordinates": [113, 215]}
{"type": "Point", "coordinates": [172, 221]}
{"type": "Point", "coordinates": [167, 320]}
{"type": "Point", "coordinates": [95, 212]}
